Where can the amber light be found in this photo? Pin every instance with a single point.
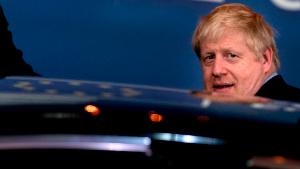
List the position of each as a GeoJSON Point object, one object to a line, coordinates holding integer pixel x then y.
{"type": "Point", "coordinates": [155, 117]}
{"type": "Point", "coordinates": [279, 160]}
{"type": "Point", "coordinates": [93, 110]}
{"type": "Point", "coordinates": [203, 118]}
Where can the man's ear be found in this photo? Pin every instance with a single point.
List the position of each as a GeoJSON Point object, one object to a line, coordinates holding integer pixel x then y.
{"type": "Point", "coordinates": [267, 59]}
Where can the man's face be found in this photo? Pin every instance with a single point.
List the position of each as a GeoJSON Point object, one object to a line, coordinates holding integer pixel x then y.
{"type": "Point", "coordinates": [229, 66]}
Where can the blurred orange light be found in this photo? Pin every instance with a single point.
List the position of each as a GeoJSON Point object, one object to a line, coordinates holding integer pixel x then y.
{"type": "Point", "coordinates": [93, 110]}
{"type": "Point", "coordinates": [279, 160]}
{"type": "Point", "coordinates": [155, 117]}
{"type": "Point", "coordinates": [203, 118]}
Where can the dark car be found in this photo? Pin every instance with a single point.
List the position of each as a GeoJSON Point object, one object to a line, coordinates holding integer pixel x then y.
{"type": "Point", "coordinates": [74, 122]}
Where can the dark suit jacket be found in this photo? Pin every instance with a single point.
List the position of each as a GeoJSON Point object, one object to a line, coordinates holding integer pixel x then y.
{"type": "Point", "coordinates": [11, 60]}
{"type": "Point", "coordinates": [276, 88]}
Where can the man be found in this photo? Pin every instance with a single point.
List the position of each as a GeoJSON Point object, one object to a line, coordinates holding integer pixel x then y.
{"type": "Point", "coordinates": [238, 55]}
{"type": "Point", "coordinates": [11, 61]}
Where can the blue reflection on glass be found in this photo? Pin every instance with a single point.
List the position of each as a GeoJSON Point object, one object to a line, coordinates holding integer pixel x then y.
{"type": "Point", "coordinates": [187, 138]}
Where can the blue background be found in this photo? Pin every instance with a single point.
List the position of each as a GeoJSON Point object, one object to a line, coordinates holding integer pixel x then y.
{"type": "Point", "coordinates": [131, 41]}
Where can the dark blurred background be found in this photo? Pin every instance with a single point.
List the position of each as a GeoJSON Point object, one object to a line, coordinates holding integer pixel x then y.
{"type": "Point", "coordinates": [133, 41]}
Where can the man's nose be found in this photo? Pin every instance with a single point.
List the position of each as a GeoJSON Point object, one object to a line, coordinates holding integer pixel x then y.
{"type": "Point", "coordinates": [219, 67]}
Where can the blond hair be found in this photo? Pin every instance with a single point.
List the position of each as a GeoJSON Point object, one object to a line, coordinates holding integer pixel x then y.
{"type": "Point", "coordinates": [260, 35]}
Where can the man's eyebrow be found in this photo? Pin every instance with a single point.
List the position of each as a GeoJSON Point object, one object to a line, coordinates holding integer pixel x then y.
{"type": "Point", "coordinates": [207, 52]}
{"type": "Point", "coordinates": [231, 50]}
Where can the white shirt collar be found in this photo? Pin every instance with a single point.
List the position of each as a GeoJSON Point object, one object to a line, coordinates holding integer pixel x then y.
{"type": "Point", "coordinates": [270, 77]}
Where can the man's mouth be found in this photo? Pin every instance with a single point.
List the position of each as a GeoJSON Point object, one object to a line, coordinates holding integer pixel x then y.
{"type": "Point", "coordinates": [222, 87]}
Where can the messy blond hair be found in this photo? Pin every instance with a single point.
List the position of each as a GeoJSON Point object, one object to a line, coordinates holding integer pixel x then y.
{"type": "Point", "coordinates": [260, 35]}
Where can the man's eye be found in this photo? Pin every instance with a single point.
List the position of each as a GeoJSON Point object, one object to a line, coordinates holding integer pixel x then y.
{"type": "Point", "coordinates": [208, 58]}
{"type": "Point", "coordinates": [231, 57]}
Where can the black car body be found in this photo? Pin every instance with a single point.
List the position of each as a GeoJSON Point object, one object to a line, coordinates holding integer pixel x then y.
{"type": "Point", "coordinates": [64, 121]}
